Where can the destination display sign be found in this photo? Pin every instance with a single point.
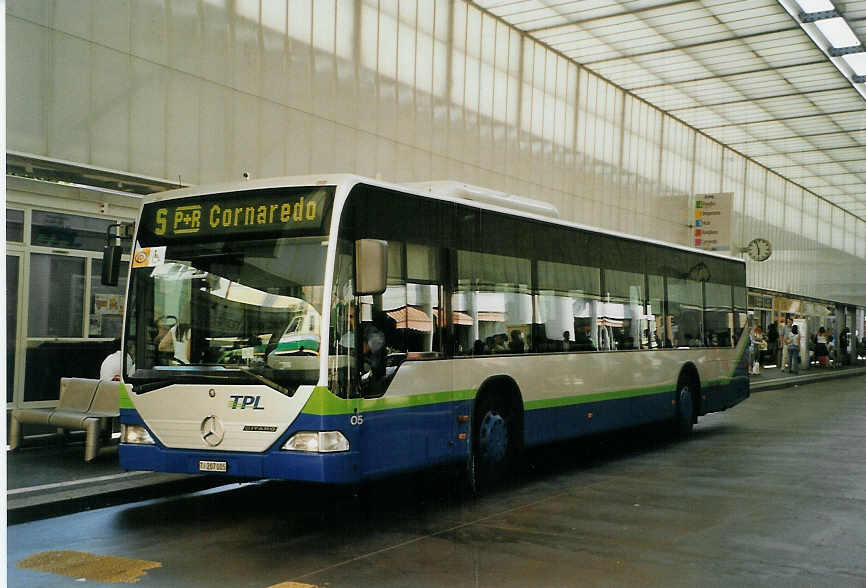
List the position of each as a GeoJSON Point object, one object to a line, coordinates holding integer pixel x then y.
{"type": "Point", "coordinates": [277, 211]}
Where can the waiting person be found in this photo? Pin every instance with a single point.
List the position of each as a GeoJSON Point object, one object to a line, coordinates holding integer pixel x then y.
{"type": "Point", "coordinates": [784, 332]}
{"type": "Point", "coordinates": [566, 343]}
{"type": "Point", "coordinates": [793, 344]}
{"type": "Point", "coordinates": [821, 351]}
{"type": "Point", "coordinates": [756, 343]}
{"type": "Point", "coordinates": [112, 366]}
{"type": "Point", "coordinates": [844, 352]}
{"type": "Point", "coordinates": [516, 345]}
{"type": "Point", "coordinates": [773, 341]}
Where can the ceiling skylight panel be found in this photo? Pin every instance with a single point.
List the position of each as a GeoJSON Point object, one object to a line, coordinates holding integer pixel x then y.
{"type": "Point", "coordinates": [757, 149]}
{"type": "Point", "coordinates": [857, 166]}
{"type": "Point", "coordinates": [815, 125]}
{"type": "Point", "coordinates": [786, 106]}
{"type": "Point", "coordinates": [741, 112]}
{"type": "Point", "coordinates": [702, 117]}
{"type": "Point", "coordinates": [779, 162]}
{"type": "Point", "coordinates": [835, 141]}
{"type": "Point", "coordinates": [712, 91]}
{"type": "Point", "coordinates": [789, 145]}
{"type": "Point", "coordinates": [795, 172]}
{"type": "Point", "coordinates": [750, 22]}
{"type": "Point", "coordinates": [846, 99]}
{"type": "Point", "coordinates": [766, 131]}
{"type": "Point", "coordinates": [760, 85]}
{"type": "Point", "coordinates": [512, 8]}
{"type": "Point", "coordinates": [674, 66]}
{"type": "Point", "coordinates": [809, 78]}
{"type": "Point", "coordinates": [557, 34]}
{"type": "Point", "coordinates": [668, 98]}
{"type": "Point", "coordinates": [730, 135]}
{"type": "Point", "coordinates": [628, 77]}
{"type": "Point", "coordinates": [542, 22]}
{"type": "Point", "coordinates": [811, 157]}
{"type": "Point", "coordinates": [813, 182]}
{"type": "Point", "coordinates": [849, 120]}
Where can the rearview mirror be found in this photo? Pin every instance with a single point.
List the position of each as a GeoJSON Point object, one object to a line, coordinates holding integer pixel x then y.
{"type": "Point", "coordinates": [371, 266]}
{"type": "Point", "coordinates": [111, 264]}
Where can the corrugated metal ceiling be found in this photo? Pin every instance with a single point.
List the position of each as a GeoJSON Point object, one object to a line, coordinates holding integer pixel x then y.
{"type": "Point", "coordinates": [741, 71]}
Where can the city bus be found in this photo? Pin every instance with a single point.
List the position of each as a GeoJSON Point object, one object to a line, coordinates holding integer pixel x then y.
{"type": "Point", "coordinates": [338, 329]}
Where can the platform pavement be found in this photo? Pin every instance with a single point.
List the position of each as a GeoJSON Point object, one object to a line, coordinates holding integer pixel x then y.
{"type": "Point", "coordinates": [46, 478]}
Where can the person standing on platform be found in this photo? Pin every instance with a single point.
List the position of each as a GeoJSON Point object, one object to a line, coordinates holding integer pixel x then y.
{"type": "Point", "coordinates": [794, 349]}
{"type": "Point", "coordinates": [784, 331]}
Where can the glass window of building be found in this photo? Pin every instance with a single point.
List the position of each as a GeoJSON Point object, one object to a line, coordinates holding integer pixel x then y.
{"type": "Point", "coordinates": [14, 225]}
{"type": "Point", "coordinates": [12, 263]}
{"type": "Point", "coordinates": [106, 302]}
{"type": "Point", "coordinates": [68, 231]}
{"type": "Point", "coordinates": [56, 297]}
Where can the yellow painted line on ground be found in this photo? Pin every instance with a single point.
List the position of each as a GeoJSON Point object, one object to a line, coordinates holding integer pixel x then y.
{"type": "Point", "coordinates": [97, 568]}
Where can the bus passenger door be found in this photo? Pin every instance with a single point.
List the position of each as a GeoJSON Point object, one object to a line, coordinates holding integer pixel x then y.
{"type": "Point", "coordinates": [404, 381]}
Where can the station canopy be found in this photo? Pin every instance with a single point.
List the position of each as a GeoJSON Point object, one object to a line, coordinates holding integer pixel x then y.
{"type": "Point", "coordinates": [752, 74]}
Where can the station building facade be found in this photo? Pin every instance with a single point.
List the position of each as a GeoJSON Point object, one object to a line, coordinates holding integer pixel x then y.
{"type": "Point", "coordinates": [109, 100]}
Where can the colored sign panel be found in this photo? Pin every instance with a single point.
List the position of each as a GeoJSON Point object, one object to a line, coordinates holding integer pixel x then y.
{"type": "Point", "coordinates": [287, 211]}
{"type": "Point", "coordinates": [712, 221]}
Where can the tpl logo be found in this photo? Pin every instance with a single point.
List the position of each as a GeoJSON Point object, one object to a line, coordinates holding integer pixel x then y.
{"type": "Point", "coordinates": [242, 402]}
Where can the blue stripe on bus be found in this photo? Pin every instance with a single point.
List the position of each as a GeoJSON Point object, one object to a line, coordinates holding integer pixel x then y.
{"type": "Point", "coordinates": [404, 439]}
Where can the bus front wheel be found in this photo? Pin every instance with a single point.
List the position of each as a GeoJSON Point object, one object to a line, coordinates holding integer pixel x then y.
{"type": "Point", "coordinates": [493, 444]}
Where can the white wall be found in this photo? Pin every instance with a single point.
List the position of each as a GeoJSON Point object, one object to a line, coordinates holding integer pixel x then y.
{"type": "Point", "coordinates": [403, 89]}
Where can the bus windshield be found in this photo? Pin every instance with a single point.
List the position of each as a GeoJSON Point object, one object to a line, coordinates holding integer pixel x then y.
{"type": "Point", "coordinates": [241, 309]}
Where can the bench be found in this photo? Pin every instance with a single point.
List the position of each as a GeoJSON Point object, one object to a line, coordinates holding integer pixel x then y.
{"type": "Point", "coordinates": [84, 405]}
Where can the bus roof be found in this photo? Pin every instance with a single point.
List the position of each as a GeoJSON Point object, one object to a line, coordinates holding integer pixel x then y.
{"type": "Point", "coordinates": [349, 180]}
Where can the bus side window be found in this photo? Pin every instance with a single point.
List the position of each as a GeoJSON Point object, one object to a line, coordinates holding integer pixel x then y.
{"type": "Point", "coordinates": [685, 304]}
{"type": "Point", "coordinates": [567, 306]}
{"type": "Point", "coordinates": [492, 307]}
{"type": "Point", "coordinates": [623, 309]}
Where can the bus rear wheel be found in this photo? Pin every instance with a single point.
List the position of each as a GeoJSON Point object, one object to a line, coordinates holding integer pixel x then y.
{"type": "Point", "coordinates": [493, 445]}
{"type": "Point", "coordinates": [685, 419]}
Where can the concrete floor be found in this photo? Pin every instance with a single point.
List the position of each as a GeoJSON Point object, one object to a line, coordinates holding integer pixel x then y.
{"type": "Point", "coordinates": [770, 493]}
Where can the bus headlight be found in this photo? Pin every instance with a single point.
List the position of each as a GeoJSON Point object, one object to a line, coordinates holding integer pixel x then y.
{"type": "Point", "coordinates": [135, 434]}
{"type": "Point", "coordinates": [317, 442]}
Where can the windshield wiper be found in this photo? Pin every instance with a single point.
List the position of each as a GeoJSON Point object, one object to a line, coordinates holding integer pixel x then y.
{"type": "Point", "coordinates": [267, 381]}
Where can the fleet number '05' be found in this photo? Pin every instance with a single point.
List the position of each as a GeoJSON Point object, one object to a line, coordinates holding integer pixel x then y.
{"type": "Point", "coordinates": [356, 419]}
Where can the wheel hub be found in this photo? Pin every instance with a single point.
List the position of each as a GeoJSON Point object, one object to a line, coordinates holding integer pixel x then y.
{"type": "Point", "coordinates": [493, 437]}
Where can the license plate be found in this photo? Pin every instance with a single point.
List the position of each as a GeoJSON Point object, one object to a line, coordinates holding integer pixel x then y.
{"type": "Point", "coordinates": [212, 466]}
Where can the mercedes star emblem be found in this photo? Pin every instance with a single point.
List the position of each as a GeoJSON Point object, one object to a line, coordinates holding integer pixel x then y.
{"type": "Point", "coordinates": [212, 431]}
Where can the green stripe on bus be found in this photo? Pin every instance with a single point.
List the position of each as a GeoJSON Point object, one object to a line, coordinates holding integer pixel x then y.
{"type": "Point", "coordinates": [323, 403]}
{"type": "Point", "coordinates": [585, 398]}
{"type": "Point", "coordinates": [123, 399]}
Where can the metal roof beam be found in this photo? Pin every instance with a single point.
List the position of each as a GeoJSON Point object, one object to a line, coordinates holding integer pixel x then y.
{"type": "Point", "coordinates": [689, 46]}
{"type": "Point", "coordinates": [727, 75]}
{"type": "Point", "coordinates": [754, 100]}
{"type": "Point", "coordinates": [781, 119]}
{"type": "Point", "coordinates": [801, 136]}
{"type": "Point", "coordinates": [636, 11]}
